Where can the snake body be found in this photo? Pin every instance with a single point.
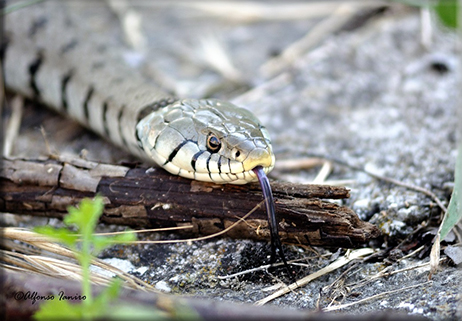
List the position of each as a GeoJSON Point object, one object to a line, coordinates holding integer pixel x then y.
{"type": "Point", "coordinates": [203, 139]}
{"type": "Point", "coordinates": [45, 59]}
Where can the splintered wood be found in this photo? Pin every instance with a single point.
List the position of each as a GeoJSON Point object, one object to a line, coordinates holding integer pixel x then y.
{"type": "Point", "coordinates": [141, 197]}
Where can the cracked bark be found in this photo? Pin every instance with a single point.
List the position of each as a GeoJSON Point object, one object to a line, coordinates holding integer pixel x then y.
{"type": "Point", "coordinates": [145, 198]}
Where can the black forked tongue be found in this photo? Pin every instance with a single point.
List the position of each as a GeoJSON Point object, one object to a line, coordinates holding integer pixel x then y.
{"type": "Point", "coordinates": [269, 204]}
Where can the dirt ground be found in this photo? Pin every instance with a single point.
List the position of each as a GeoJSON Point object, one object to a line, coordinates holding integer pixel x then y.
{"type": "Point", "coordinates": [371, 94]}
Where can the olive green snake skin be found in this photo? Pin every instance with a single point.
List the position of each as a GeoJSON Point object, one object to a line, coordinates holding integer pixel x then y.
{"type": "Point", "coordinates": [206, 140]}
{"type": "Point", "coordinates": [45, 59]}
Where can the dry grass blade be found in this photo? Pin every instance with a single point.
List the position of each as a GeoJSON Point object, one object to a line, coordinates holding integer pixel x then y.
{"type": "Point", "coordinates": [151, 230]}
{"type": "Point", "coordinates": [131, 22]}
{"type": "Point", "coordinates": [214, 54]}
{"type": "Point", "coordinates": [299, 163]}
{"type": "Point", "coordinates": [386, 273]}
{"type": "Point", "coordinates": [395, 182]}
{"type": "Point", "coordinates": [35, 239]}
{"type": "Point", "coordinates": [409, 186]}
{"type": "Point", "coordinates": [260, 268]}
{"type": "Point", "coordinates": [330, 24]}
{"type": "Point", "coordinates": [260, 11]}
{"type": "Point", "coordinates": [37, 263]}
{"type": "Point", "coordinates": [426, 29]}
{"type": "Point", "coordinates": [240, 219]}
{"type": "Point", "coordinates": [50, 267]}
{"type": "Point", "coordinates": [14, 123]}
{"type": "Point", "coordinates": [353, 255]}
{"type": "Point", "coordinates": [307, 163]}
{"type": "Point", "coordinates": [373, 297]}
{"type": "Point", "coordinates": [323, 173]}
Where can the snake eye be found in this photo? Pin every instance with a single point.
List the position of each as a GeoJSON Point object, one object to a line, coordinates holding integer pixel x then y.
{"type": "Point", "coordinates": [213, 143]}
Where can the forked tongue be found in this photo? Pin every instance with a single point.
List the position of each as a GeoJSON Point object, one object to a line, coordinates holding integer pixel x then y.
{"type": "Point", "coordinates": [269, 204]}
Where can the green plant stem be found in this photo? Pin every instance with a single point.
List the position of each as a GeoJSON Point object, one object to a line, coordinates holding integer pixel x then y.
{"type": "Point", "coordinates": [85, 261]}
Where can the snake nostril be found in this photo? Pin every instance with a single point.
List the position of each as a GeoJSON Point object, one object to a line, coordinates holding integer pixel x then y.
{"type": "Point", "coordinates": [237, 154]}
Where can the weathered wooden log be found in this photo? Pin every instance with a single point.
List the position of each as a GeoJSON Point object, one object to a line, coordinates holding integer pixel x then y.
{"type": "Point", "coordinates": [142, 197]}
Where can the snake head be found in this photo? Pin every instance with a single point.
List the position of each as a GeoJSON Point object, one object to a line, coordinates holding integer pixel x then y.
{"type": "Point", "coordinates": [208, 140]}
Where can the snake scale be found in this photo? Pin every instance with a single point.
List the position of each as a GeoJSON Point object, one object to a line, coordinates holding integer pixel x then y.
{"type": "Point", "coordinates": [46, 59]}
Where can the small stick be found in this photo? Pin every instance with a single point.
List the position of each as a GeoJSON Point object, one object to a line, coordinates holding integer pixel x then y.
{"type": "Point", "coordinates": [353, 255]}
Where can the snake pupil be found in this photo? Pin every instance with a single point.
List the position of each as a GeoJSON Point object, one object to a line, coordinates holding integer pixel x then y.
{"type": "Point", "coordinates": [213, 143]}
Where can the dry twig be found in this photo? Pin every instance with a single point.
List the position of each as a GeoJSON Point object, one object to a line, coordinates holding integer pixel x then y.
{"type": "Point", "coordinates": [350, 256]}
{"type": "Point", "coordinates": [373, 297]}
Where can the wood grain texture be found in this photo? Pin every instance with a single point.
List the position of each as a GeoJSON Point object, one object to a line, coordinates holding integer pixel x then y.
{"type": "Point", "coordinates": [142, 197]}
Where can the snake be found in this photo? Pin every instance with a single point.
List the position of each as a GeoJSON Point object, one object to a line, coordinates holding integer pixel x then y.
{"type": "Point", "coordinates": [47, 60]}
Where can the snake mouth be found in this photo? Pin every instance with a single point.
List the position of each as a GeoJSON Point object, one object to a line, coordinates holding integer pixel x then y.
{"type": "Point", "coordinates": [213, 170]}
{"type": "Point", "coordinates": [262, 157]}
{"type": "Point", "coordinates": [259, 160]}
{"type": "Point", "coordinates": [240, 178]}
{"type": "Point", "coordinates": [242, 174]}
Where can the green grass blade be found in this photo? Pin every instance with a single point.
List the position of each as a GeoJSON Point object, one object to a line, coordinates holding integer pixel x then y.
{"type": "Point", "coordinates": [447, 11]}
{"type": "Point", "coordinates": [454, 212]}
